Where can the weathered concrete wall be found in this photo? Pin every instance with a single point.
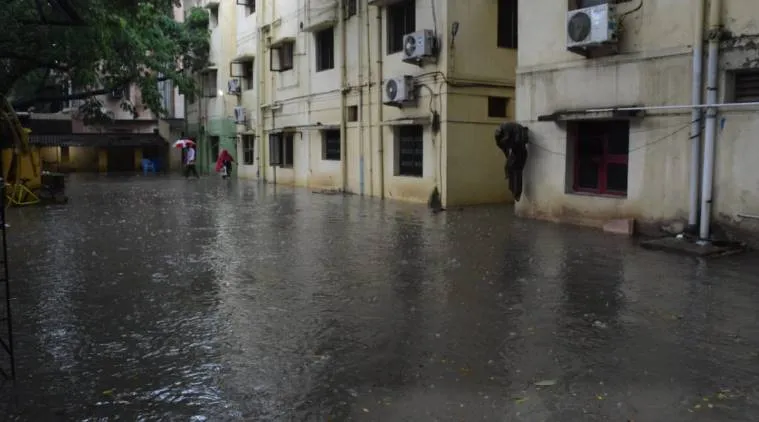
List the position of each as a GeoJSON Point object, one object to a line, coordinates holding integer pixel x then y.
{"type": "Point", "coordinates": [654, 68]}
{"type": "Point", "coordinates": [461, 158]}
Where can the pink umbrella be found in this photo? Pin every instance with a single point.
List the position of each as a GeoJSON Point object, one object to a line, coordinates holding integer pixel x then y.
{"type": "Point", "coordinates": [184, 143]}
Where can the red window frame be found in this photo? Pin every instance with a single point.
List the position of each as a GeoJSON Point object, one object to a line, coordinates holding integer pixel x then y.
{"type": "Point", "coordinates": [602, 160]}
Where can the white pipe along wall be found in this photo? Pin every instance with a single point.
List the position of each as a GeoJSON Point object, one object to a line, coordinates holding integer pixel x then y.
{"type": "Point", "coordinates": [695, 129]}
{"type": "Point", "coordinates": [707, 180]}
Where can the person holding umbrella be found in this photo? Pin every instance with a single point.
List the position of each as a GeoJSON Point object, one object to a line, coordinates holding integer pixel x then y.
{"type": "Point", "coordinates": [189, 149]}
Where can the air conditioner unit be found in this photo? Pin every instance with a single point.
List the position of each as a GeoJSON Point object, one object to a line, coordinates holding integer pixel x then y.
{"type": "Point", "coordinates": [233, 87]}
{"type": "Point", "coordinates": [240, 115]}
{"type": "Point", "coordinates": [592, 27]}
{"type": "Point", "coordinates": [418, 45]}
{"type": "Point", "coordinates": [398, 90]}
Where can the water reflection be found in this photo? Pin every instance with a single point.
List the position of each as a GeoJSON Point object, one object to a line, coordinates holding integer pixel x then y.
{"type": "Point", "coordinates": [153, 299]}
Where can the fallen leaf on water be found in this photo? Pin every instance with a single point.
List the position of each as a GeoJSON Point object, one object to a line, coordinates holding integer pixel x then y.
{"type": "Point", "coordinates": [108, 392]}
{"type": "Point", "coordinates": [519, 400]}
{"type": "Point", "coordinates": [545, 383]}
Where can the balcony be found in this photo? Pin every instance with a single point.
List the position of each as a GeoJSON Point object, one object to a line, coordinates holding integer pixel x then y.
{"type": "Point", "coordinates": [320, 14]}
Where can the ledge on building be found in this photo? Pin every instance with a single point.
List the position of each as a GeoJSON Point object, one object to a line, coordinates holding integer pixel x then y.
{"type": "Point", "coordinates": [408, 121]}
{"type": "Point", "coordinates": [319, 126]}
{"type": "Point", "coordinates": [244, 57]}
{"type": "Point", "coordinates": [280, 41]}
{"type": "Point", "coordinates": [597, 113]}
{"type": "Point", "coordinates": [174, 123]}
{"type": "Point", "coordinates": [98, 140]}
{"type": "Point", "coordinates": [320, 18]}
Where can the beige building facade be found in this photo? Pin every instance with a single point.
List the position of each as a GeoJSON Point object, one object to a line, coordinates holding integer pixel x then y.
{"type": "Point", "coordinates": [313, 104]}
{"type": "Point", "coordinates": [607, 98]}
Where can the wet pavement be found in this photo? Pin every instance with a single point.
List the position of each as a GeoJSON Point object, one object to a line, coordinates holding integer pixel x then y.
{"type": "Point", "coordinates": [165, 299]}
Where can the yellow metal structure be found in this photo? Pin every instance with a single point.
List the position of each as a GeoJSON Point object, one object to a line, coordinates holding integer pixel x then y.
{"type": "Point", "coordinates": [20, 161]}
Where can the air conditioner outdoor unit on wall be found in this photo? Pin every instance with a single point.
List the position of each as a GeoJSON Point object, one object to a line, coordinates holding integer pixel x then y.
{"type": "Point", "coordinates": [398, 90]}
{"type": "Point", "coordinates": [592, 27]}
{"type": "Point", "coordinates": [240, 115]}
{"type": "Point", "coordinates": [233, 87]}
{"type": "Point", "coordinates": [419, 45]}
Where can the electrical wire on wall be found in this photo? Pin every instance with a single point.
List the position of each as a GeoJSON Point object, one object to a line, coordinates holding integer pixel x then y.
{"type": "Point", "coordinates": [622, 16]}
{"type": "Point", "coordinates": [668, 136]}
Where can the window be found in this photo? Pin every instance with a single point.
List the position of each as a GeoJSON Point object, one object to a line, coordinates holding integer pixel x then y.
{"type": "Point", "coordinates": [497, 106]}
{"type": "Point", "coordinates": [281, 149]}
{"type": "Point", "coordinates": [745, 86]}
{"type": "Point", "coordinates": [401, 20]}
{"type": "Point", "coordinates": [325, 49]}
{"type": "Point", "coordinates": [250, 6]}
{"type": "Point", "coordinates": [287, 150]}
{"type": "Point", "coordinates": [213, 15]}
{"type": "Point", "coordinates": [65, 155]}
{"type": "Point", "coordinates": [247, 75]}
{"type": "Point", "coordinates": [351, 8]}
{"type": "Point", "coordinates": [248, 149]}
{"type": "Point", "coordinates": [214, 141]}
{"type": "Point", "coordinates": [282, 56]}
{"type": "Point", "coordinates": [507, 23]}
{"type": "Point", "coordinates": [351, 114]}
{"type": "Point", "coordinates": [600, 156]}
{"type": "Point", "coordinates": [410, 151]}
{"type": "Point", "coordinates": [210, 89]}
{"type": "Point", "coordinates": [331, 145]}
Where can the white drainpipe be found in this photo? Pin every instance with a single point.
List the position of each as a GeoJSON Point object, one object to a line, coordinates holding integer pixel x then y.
{"type": "Point", "coordinates": [343, 93]}
{"type": "Point", "coordinates": [711, 119]}
{"type": "Point", "coordinates": [695, 129]}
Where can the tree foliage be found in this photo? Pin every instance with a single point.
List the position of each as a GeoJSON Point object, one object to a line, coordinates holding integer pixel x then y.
{"type": "Point", "coordinates": [98, 46]}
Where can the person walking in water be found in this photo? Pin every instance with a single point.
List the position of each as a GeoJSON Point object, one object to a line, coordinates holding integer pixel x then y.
{"type": "Point", "coordinates": [190, 163]}
{"type": "Point", "coordinates": [224, 164]}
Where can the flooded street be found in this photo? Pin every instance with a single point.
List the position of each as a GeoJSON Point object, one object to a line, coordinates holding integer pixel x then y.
{"type": "Point", "coordinates": [166, 299]}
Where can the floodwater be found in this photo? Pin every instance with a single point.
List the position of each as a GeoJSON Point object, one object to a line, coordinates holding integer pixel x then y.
{"type": "Point", "coordinates": [148, 298]}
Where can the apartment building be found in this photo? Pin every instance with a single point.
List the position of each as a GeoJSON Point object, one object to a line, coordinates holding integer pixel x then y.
{"type": "Point", "coordinates": [210, 118]}
{"type": "Point", "coordinates": [606, 89]}
{"type": "Point", "coordinates": [68, 144]}
{"type": "Point", "coordinates": [388, 98]}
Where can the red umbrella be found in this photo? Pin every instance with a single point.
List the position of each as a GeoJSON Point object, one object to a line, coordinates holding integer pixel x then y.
{"type": "Point", "coordinates": [184, 143]}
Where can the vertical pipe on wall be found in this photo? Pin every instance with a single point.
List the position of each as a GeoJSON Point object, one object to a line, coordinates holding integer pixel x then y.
{"type": "Point", "coordinates": [360, 83]}
{"type": "Point", "coordinates": [695, 129]}
{"type": "Point", "coordinates": [711, 119]}
{"type": "Point", "coordinates": [343, 93]}
{"type": "Point", "coordinates": [380, 128]}
{"type": "Point", "coordinates": [364, 10]}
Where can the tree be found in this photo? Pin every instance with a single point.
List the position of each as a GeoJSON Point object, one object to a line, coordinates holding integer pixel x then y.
{"type": "Point", "coordinates": [98, 46]}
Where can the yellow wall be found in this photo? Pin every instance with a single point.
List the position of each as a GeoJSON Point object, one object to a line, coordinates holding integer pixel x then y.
{"type": "Point", "coordinates": [81, 159]}
{"type": "Point", "coordinates": [654, 68]}
{"type": "Point", "coordinates": [102, 160]}
{"type": "Point", "coordinates": [138, 158]}
{"type": "Point", "coordinates": [462, 158]}
{"type": "Point", "coordinates": [28, 168]}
